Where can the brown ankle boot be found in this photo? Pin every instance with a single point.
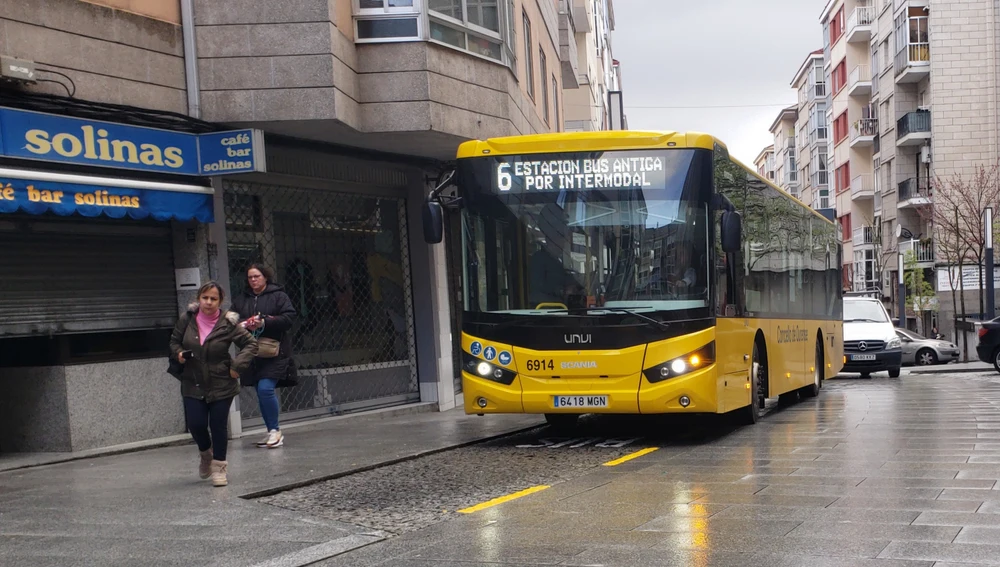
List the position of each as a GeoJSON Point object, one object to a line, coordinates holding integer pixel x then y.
{"type": "Point", "coordinates": [219, 473]}
{"type": "Point", "coordinates": [205, 466]}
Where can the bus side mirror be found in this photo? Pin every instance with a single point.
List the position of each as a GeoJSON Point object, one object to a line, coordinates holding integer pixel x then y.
{"type": "Point", "coordinates": [433, 218]}
{"type": "Point", "coordinates": [732, 237]}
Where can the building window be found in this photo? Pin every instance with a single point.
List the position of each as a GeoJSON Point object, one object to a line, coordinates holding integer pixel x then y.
{"type": "Point", "coordinates": [387, 20]}
{"type": "Point", "coordinates": [481, 27]}
{"type": "Point", "coordinates": [543, 71]}
{"type": "Point", "coordinates": [840, 128]}
{"type": "Point", "coordinates": [555, 102]}
{"type": "Point", "coordinates": [837, 26]}
{"type": "Point", "coordinates": [529, 68]}
{"type": "Point", "coordinates": [839, 76]}
{"type": "Point", "coordinates": [472, 25]}
{"type": "Point", "coordinates": [843, 177]}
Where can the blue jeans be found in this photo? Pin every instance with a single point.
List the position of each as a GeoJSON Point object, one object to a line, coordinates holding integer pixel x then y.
{"type": "Point", "coordinates": [268, 402]}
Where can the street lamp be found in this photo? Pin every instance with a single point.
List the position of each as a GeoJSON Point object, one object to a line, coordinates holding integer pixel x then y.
{"type": "Point", "coordinates": [988, 225]}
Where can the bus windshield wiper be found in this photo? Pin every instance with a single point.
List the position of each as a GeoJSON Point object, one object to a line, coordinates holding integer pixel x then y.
{"type": "Point", "coordinates": [630, 311]}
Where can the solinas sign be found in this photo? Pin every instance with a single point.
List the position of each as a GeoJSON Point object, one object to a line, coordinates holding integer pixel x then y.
{"type": "Point", "coordinates": [49, 137]}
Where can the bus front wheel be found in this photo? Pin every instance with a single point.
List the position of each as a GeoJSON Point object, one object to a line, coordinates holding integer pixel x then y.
{"type": "Point", "coordinates": [750, 414]}
{"type": "Point", "coordinates": [812, 390]}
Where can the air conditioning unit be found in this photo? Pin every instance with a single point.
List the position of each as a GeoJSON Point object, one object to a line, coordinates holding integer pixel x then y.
{"type": "Point", "coordinates": [925, 154]}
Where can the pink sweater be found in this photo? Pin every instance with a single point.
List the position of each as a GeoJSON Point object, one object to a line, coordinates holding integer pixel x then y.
{"type": "Point", "coordinates": [206, 324]}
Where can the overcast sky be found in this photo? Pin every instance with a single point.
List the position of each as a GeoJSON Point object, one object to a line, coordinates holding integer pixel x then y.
{"type": "Point", "coordinates": [697, 53]}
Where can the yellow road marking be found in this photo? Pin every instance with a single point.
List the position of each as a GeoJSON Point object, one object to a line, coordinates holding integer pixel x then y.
{"type": "Point", "coordinates": [502, 499]}
{"type": "Point", "coordinates": [630, 456]}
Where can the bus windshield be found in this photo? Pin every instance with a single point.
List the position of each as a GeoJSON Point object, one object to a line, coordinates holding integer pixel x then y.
{"type": "Point", "coordinates": [544, 234]}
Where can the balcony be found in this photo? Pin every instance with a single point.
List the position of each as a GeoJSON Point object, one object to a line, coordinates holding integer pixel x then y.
{"type": "Point", "coordinates": [862, 187]}
{"type": "Point", "coordinates": [913, 194]}
{"type": "Point", "coordinates": [859, 82]}
{"type": "Point", "coordinates": [819, 134]}
{"type": "Point", "coordinates": [819, 179]}
{"type": "Point", "coordinates": [865, 236]}
{"type": "Point", "coordinates": [914, 128]}
{"type": "Point", "coordinates": [922, 249]}
{"type": "Point", "coordinates": [863, 133]}
{"type": "Point", "coordinates": [817, 91]}
{"type": "Point", "coordinates": [913, 63]}
{"type": "Point", "coordinates": [859, 24]}
{"type": "Point", "coordinates": [791, 179]}
{"type": "Point", "coordinates": [568, 55]}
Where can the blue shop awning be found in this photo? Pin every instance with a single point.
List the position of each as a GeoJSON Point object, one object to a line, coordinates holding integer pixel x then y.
{"type": "Point", "coordinates": [38, 192]}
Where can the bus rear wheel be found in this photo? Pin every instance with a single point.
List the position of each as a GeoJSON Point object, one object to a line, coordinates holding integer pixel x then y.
{"type": "Point", "coordinates": [562, 422]}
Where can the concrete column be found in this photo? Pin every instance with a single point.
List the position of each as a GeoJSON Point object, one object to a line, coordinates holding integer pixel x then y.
{"type": "Point", "coordinates": [218, 268]}
{"type": "Point", "coordinates": [431, 306]}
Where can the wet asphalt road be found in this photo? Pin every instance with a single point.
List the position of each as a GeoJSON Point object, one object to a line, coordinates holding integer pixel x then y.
{"type": "Point", "coordinates": [878, 472]}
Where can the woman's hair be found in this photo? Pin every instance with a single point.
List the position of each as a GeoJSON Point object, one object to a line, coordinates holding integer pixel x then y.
{"type": "Point", "coordinates": [268, 274]}
{"type": "Point", "coordinates": [211, 285]}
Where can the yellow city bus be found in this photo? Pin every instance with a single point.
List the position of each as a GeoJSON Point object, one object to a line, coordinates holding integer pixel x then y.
{"type": "Point", "coordinates": [632, 272]}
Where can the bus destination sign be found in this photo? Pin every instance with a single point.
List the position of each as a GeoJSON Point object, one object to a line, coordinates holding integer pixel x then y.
{"type": "Point", "coordinates": [623, 171]}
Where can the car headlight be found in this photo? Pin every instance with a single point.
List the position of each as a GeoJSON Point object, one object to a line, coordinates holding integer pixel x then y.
{"type": "Point", "coordinates": [486, 370]}
{"type": "Point", "coordinates": [893, 343]}
{"type": "Point", "coordinates": [681, 365]}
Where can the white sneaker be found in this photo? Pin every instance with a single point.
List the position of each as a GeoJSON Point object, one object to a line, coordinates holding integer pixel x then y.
{"type": "Point", "coordinates": [275, 439]}
{"type": "Point", "coordinates": [263, 442]}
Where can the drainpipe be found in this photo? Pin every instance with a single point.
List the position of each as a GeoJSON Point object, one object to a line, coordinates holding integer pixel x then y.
{"type": "Point", "coordinates": [190, 59]}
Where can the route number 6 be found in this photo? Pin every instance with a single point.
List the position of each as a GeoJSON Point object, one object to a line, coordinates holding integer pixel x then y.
{"type": "Point", "coordinates": [503, 177]}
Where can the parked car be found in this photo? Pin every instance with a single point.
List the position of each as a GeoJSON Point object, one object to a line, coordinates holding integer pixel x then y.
{"type": "Point", "coordinates": [988, 347]}
{"type": "Point", "coordinates": [870, 345]}
{"type": "Point", "coordinates": [923, 351]}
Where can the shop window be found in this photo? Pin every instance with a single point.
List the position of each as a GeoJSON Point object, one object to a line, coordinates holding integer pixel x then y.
{"type": "Point", "coordinates": [82, 348]}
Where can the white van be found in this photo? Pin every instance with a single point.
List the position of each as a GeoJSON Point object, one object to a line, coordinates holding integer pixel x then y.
{"type": "Point", "coordinates": [870, 340]}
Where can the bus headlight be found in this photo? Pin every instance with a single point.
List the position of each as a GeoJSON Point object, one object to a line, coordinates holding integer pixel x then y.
{"type": "Point", "coordinates": [482, 369]}
{"type": "Point", "coordinates": [681, 365]}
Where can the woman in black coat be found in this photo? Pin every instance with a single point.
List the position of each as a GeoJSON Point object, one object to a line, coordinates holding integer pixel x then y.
{"type": "Point", "coordinates": [267, 313]}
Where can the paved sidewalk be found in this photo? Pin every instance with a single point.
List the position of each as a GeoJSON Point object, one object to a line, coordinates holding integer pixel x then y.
{"type": "Point", "coordinates": [149, 508]}
{"type": "Point", "coordinates": [954, 367]}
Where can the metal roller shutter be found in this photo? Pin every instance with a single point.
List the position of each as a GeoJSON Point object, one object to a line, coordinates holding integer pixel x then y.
{"type": "Point", "coordinates": [71, 276]}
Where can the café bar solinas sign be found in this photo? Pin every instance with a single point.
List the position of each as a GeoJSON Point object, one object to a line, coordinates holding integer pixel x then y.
{"type": "Point", "coordinates": [48, 137]}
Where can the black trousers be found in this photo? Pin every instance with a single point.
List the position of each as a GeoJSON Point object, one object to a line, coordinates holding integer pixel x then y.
{"type": "Point", "coordinates": [208, 423]}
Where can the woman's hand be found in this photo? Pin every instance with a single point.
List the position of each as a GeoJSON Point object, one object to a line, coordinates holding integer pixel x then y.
{"type": "Point", "coordinates": [180, 358]}
{"type": "Point", "coordinates": [234, 374]}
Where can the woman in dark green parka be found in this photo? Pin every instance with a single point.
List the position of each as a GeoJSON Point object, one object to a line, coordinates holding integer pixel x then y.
{"type": "Point", "coordinates": [211, 378]}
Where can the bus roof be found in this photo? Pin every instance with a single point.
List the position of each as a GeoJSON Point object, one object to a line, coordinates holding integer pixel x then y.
{"type": "Point", "coordinates": [604, 140]}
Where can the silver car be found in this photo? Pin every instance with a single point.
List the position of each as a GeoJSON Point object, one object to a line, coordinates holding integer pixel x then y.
{"type": "Point", "coordinates": [923, 351]}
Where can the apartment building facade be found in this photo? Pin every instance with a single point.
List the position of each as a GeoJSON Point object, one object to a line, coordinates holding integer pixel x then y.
{"type": "Point", "coordinates": [812, 132]}
{"type": "Point", "coordinates": [928, 59]}
{"type": "Point", "coordinates": [786, 164]}
{"type": "Point", "coordinates": [350, 111]}
{"type": "Point", "coordinates": [588, 56]}
{"type": "Point", "coordinates": [764, 163]}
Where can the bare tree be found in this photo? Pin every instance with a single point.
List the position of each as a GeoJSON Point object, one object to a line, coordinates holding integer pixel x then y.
{"type": "Point", "coordinates": [957, 223]}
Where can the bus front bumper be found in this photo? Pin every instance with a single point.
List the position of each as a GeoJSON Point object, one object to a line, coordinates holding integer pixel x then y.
{"type": "Point", "coordinates": [697, 389]}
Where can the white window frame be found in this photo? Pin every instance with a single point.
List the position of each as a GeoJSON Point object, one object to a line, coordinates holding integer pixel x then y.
{"type": "Point", "coordinates": [507, 56]}
{"type": "Point", "coordinates": [387, 13]}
